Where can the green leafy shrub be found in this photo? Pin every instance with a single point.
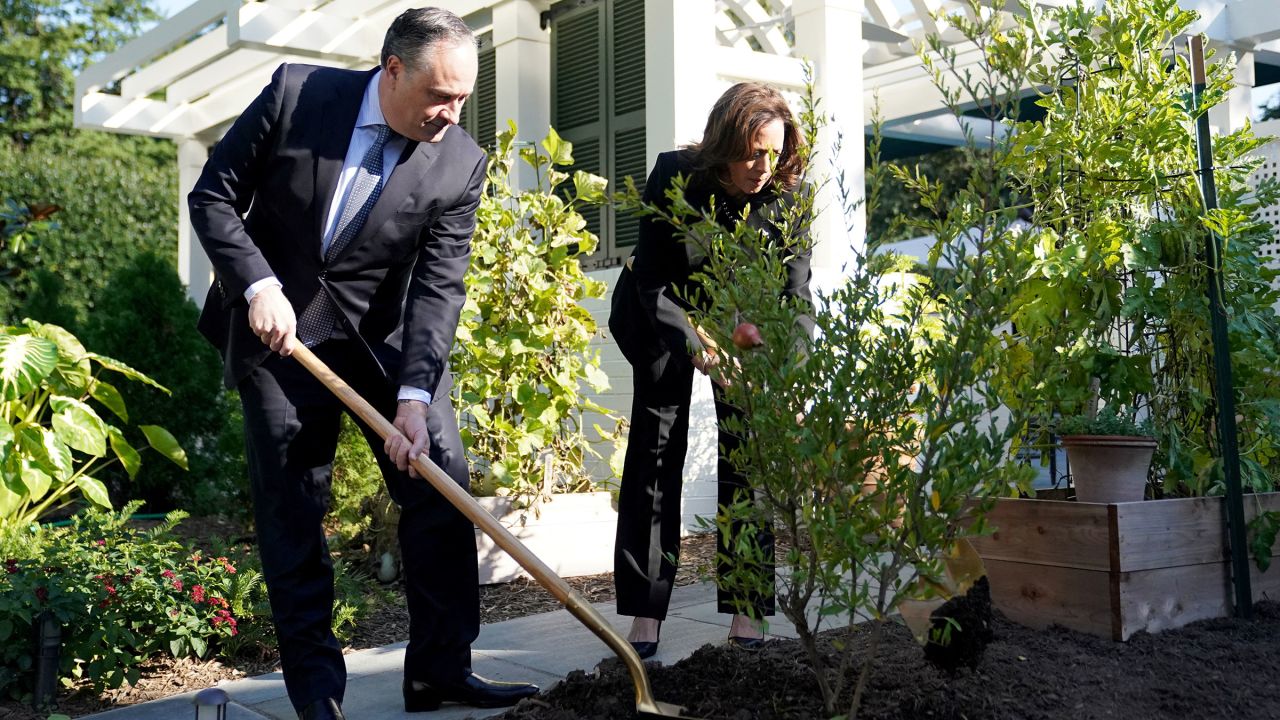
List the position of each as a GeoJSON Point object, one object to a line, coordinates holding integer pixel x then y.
{"type": "Point", "coordinates": [51, 436]}
{"type": "Point", "coordinates": [361, 512]}
{"type": "Point", "coordinates": [145, 319]}
{"type": "Point", "coordinates": [873, 448]}
{"type": "Point", "coordinates": [523, 358]}
{"type": "Point", "coordinates": [118, 198]}
{"type": "Point", "coordinates": [21, 228]}
{"type": "Point", "coordinates": [1116, 288]}
{"type": "Point", "coordinates": [121, 595]}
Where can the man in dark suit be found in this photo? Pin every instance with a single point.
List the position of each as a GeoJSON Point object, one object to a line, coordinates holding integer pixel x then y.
{"type": "Point", "coordinates": [340, 207]}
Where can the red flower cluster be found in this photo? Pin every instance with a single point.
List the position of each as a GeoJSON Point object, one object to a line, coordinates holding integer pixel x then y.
{"type": "Point", "coordinates": [197, 593]}
{"type": "Point", "coordinates": [11, 566]}
{"type": "Point", "coordinates": [177, 585]}
{"type": "Point", "coordinates": [167, 574]}
{"type": "Point", "coordinates": [223, 617]}
{"type": "Point", "coordinates": [42, 594]}
{"type": "Point", "coordinates": [227, 566]}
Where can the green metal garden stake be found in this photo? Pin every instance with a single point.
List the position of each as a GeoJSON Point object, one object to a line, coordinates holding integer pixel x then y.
{"type": "Point", "coordinates": [1221, 348]}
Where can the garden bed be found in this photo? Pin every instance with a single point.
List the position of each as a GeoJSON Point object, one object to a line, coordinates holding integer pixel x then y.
{"type": "Point", "coordinates": [1212, 668]}
{"type": "Point", "coordinates": [386, 623]}
{"type": "Point", "coordinates": [1115, 569]}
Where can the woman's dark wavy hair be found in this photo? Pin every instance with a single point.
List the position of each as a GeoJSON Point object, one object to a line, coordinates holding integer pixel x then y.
{"type": "Point", "coordinates": [734, 120]}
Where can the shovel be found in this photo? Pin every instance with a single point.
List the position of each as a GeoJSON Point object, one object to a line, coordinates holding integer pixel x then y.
{"type": "Point", "coordinates": [646, 706]}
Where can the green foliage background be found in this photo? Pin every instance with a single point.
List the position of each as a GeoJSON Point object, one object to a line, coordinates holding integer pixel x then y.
{"type": "Point", "coordinates": [44, 44]}
{"type": "Point", "coordinates": [145, 319]}
{"type": "Point", "coordinates": [1116, 288]}
{"type": "Point", "coordinates": [118, 198]}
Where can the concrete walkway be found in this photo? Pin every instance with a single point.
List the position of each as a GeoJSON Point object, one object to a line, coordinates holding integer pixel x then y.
{"type": "Point", "coordinates": [540, 648]}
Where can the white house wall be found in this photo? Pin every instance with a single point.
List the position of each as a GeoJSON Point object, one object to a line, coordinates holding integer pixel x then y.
{"type": "Point", "coordinates": [1270, 170]}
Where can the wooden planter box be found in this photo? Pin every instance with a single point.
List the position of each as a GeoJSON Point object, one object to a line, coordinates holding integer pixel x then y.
{"type": "Point", "coordinates": [572, 533]}
{"type": "Point", "coordinates": [1115, 569]}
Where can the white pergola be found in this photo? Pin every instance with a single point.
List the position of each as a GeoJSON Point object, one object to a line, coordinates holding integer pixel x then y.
{"type": "Point", "coordinates": [189, 77]}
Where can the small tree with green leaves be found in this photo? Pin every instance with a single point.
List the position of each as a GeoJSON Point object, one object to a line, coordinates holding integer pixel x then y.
{"type": "Point", "coordinates": [873, 448]}
{"type": "Point", "coordinates": [1116, 288]}
{"type": "Point", "coordinates": [523, 357]}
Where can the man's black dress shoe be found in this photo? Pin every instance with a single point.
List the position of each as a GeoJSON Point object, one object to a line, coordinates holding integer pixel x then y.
{"type": "Point", "coordinates": [326, 709]}
{"type": "Point", "coordinates": [472, 690]}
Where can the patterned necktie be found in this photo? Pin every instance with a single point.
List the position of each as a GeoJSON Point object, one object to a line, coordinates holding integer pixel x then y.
{"type": "Point", "coordinates": [318, 320]}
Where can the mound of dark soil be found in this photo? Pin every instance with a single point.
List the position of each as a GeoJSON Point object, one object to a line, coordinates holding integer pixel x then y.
{"type": "Point", "coordinates": [1212, 669]}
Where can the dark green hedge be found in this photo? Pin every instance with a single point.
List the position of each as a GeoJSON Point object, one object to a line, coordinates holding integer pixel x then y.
{"type": "Point", "coordinates": [144, 318]}
{"type": "Point", "coordinates": [119, 199]}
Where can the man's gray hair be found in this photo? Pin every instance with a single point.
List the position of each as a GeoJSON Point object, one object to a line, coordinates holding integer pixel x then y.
{"type": "Point", "coordinates": [416, 32]}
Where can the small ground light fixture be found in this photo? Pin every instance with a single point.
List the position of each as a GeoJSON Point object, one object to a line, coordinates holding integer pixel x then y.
{"type": "Point", "coordinates": [211, 704]}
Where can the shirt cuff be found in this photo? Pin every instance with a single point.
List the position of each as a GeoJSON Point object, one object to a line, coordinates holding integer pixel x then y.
{"type": "Point", "coordinates": [257, 287]}
{"type": "Point", "coordinates": [413, 393]}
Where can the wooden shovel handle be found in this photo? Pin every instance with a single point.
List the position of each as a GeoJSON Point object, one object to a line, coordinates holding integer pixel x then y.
{"type": "Point", "coordinates": [462, 500]}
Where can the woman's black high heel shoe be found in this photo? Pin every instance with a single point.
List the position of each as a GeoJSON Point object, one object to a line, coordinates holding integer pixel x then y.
{"type": "Point", "coordinates": [647, 649]}
{"type": "Point", "coordinates": [744, 643]}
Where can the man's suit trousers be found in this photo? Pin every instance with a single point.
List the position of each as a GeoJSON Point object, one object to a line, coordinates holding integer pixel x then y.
{"type": "Point", "coordinates": [291, 433]}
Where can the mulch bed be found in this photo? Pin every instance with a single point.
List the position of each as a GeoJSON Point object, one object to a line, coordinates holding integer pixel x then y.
{"type": "Point", "coordinates": [1224, 668]}
{"type": "Point", "coordinates": [386, 625]}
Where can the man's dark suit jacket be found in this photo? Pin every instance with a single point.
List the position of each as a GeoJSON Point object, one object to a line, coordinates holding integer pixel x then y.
{"type": "Point", "coordinates": [648, 312]}
{"type": "Point", "coordinates": [399, 283]}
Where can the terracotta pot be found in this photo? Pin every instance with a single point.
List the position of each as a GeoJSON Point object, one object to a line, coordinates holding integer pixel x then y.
{"type": "Point", "coordinates": [1109, 468]}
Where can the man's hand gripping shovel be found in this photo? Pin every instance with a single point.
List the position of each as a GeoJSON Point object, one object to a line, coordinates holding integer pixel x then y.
{"type": "Point", "coordinates": [646, 706]}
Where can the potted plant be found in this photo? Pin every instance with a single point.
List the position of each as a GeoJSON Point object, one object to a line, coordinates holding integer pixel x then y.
{"type": "Point", "coordinates": [1109, 455]}
{"type": "Point", "coordinates": [525, 372]}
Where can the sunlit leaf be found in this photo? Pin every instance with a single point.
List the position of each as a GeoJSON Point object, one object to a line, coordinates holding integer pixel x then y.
{"type": "Point", "coordinates": [123, 369]}
{"type": "Point", "coordinates": [37, 481]}
{"type": "Point", "coordinates": [129, 457]}
{"type": "Point", "coordinates": [25, 361]}
{"type": "Point", "coordinates": [79, 426]}
{"type": "Point", "coordinates": [94, 490]}
{"type": "Point", "coordinates": [560, 150]}
{"type": "Point", "coordinates": [110, 397]}
{"type": "Point", "coordinates": [165, 443]}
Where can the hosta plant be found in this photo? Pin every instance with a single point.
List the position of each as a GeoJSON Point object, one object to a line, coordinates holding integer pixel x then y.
{"type": "Point", "coordinates": [53, 438]}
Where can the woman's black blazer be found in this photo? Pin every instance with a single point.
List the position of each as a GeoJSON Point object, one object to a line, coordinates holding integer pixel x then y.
{"type": "Point", "coordinates": [648, 313]}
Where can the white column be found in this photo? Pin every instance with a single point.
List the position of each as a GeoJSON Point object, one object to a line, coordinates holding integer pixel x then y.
{"type": "Point", "coordinates": [829, 36]}
{"type": "Point", "coordinates": [193, 265]}
{"type": "Point", "coordinates": [679, 85]}
{"type": "Point", "coordinates": [522, 64]}
{"type": "Point", "coordinates": [1232, 114]}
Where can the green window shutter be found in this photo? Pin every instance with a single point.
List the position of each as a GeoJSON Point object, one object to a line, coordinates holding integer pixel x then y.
{"type": "Point", "coordinates": [598, 104]}
{"type": "Point", "coordinates": [479, 114]}
{"type": "Point", "coordinates": [578, 92]}
{"type": "Point", "coordinates": [486, 103]}
{"type": "Point", "coordinates": [627, 128]}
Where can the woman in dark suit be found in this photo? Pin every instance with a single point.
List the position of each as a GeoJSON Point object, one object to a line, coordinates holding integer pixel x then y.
{"type": "Point", "coordinates": [748, 160]}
